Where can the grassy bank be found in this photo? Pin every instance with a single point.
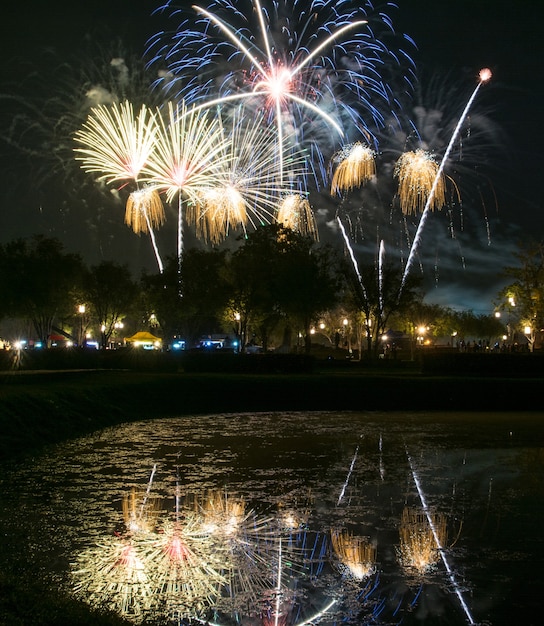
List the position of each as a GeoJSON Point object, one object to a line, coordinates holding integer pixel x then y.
{"type": "Point", "coordinates": [43, 407]}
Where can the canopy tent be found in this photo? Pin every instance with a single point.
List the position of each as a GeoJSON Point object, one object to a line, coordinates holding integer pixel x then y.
{"type": "Point", "coordinates": [143, 338]}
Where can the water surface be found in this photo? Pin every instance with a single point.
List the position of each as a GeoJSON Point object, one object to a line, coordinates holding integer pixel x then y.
{"type": "Point", "coordinates": [281, 518]}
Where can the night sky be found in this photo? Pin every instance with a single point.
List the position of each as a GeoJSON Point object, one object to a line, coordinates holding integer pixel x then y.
{"type": "Point", "coordinates": [454, 41]}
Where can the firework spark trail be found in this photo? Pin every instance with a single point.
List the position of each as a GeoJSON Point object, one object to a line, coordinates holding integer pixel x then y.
{"type": "Point", "coordinates": [485, 76]}
{"type": "Point", "coordinates": [317, 615]}
{"type": "Point", "coordinates": [348, 476]}
{"type": "Point", "coordinates": [278, 586]}
{"type": "Point", "coordinates": [352, 256]}
{"type": "Point", "coordinates": [439, 545]}
{"type": "Point", "coordinates": [382, 469]}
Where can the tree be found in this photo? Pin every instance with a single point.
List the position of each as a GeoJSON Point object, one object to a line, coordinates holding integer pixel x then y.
{"type": "Point", "coordinates": [161, 297]}
{"type": "Point", "coordinates": [251, 277]}
{"type": "Point", "coordinates": [374, 297]}
{"type": "Point", "coordinates": [112, 294]}
{"type": "Point", "coordinates": [205, 292]}
{"type": "Point", "coordinates": [523, 299]}
{"type": "Point", "coordinates": [309, 282]}
{"type": "Point", "coordinates": [39, 282]}
{"type": "Point", "coordinates": [196, 309]}
{"type": "Point", "coordinates": [278, 275]}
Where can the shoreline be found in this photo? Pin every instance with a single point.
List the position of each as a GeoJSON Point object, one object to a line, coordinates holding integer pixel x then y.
{"type": "Point", "coordinates": [46, 407]}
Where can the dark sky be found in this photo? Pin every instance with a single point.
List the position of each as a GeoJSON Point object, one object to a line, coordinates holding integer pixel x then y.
{"type": "Point", "coordinates": [455, 39]}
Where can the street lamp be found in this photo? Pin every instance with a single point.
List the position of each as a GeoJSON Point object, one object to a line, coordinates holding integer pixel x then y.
{"type": "Point", "coordinates": [421, 330]}
{"type": "Point", "coordinates": [238, 320]}
{"type": "Point", "coordinates": [528, 332]}
{"type": "Point", "coordinates": [81, 310]}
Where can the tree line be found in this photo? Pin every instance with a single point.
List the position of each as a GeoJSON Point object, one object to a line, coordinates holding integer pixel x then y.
{"type": "Point", "coordinates": [277, 289]}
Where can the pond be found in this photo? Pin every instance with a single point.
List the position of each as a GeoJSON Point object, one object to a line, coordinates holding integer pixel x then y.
{"type": "Point", "coordinates": [290, 518]}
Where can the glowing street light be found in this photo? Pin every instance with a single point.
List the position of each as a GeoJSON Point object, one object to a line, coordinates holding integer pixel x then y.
{"type": "Point", "coordinates": [81, 311]}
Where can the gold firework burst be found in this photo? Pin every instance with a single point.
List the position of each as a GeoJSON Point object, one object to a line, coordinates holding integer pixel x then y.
{"type": "Point", "coordinates": [248, 181]}
{"type": "Point", "coordinates": [144, 210]}
{"type": "Point", "coordinates": [296, 213]}
{"type": "Point", "coordinates": [117, 143]}
{"type": "Point", "coordinates": [356, 166]}
{"type": "Point", "coordinates": [416, 173]}
{"type": "Point", "coordinates": [220, 209]}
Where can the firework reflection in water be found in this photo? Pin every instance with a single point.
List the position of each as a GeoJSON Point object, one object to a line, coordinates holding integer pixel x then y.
{"type": "Point", "coordinates": [213, 553]}
{"type": "Point", "coordinates": [418, 549]}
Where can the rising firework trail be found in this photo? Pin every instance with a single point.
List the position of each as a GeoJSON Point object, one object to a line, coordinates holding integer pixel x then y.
{"type": "Point", "coordinates": [352, 256]}
{"type": "Point", "coordinates": [484, 76]}
{"type": "Point", "coordinates": [381, 260]}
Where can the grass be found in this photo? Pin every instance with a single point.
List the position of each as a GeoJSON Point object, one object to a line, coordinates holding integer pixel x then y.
{"type": "Point", "coordinates": [43, 407]}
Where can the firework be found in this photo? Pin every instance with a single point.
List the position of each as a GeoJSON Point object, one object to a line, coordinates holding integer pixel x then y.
{"type": "Point", "coordinates": [436, 533]}
{"type": "Point", "coordinates": [248, 545]}
{"type": "Point", "coordinates": [315, 66]}
{"type": "Point", "coordinates": [117, 146]}
{"type": "Point", "coordinates": [222, 513]}
{"type": "Point", "coordinates": [296, 213]}
{"type": "Point", "coordinates": [183, 567]}
{"type": "Point", "coordinates": [117, 143]}
{"type": "Point", "coordinates": [143, 213]}
{"type": "Point", "coordinates": [356, 166]}
{"type": "Point", "coordinates": [416, 173]}
{"type": "Point", "coordinates": [484, 76]}
{"type": "Point", "coordinates": [344, 486]}
{"type": "Point", "coordinates": [140, 513]}
{"type": "Point", "coordinates": [248, 181]}
{"type": "Point", "coordinates": [418, 549]}
{"type": "Point", "coordinates": [144, 210]}
{"type": "Point", "coordinates": [220, 209]}
{"type": "Point", "coordinates": [189, 148]}
{"type": "Point", "coordinates": [356, 554]}
{"type": "Point", "coordinates": [352, 257]}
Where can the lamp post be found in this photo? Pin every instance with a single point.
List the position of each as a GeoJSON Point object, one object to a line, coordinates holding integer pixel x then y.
{"type": "Point", "coordinates": [81, 311]}
{"type": "Point", "coordinates": [238, 320]}
{"type": "Point", "coordinates": [421, 334]}
{"type": "Point", "coordinates": [527, 331]}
